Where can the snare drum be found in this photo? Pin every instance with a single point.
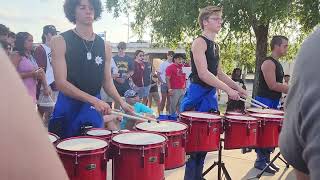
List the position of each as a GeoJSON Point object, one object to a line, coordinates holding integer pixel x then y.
{"type": "Point", "coordinates": [265, 111]}
{"type": "Point", "coordinates": [269, 130]}
{"type": "Point", "coordinates": [84, 157]}
{"type": "Point", "coordinates": [240, 132]}
{"type": "Point", "coordinates": [53, 138]}
{"type": "Point", "coordinates": [139, 156]}
{"type": "Point", "coordinates": [203, 131]}
{"type": "Point", "coordinates": [176, 134]}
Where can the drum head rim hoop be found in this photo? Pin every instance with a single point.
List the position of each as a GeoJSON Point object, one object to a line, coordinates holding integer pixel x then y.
{"type": "Point", "coordinates": [186, 115]}
{"type": "Point", "coordinates": [156, 127]}
{"type": "Point", "coordinates": [82, 144]}
{"type": "Point", "coordinates": [139, 139]}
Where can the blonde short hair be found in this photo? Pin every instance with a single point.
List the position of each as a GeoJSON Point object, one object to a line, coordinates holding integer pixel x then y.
{"type": "Point", "coordinates": [206, 12]}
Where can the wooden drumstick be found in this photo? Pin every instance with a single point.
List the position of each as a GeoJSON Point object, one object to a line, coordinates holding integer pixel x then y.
{"type": "Point", "coordinates": [251, 103]}
{"type": "Point", "coordinates": [133, 117]}
{"type": "Point", "coordinates": [258, 102]}
{"type": "Point", "coordinates": [141, 116]}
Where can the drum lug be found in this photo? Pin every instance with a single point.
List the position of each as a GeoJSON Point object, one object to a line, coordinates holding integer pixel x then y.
{"type": "Point", "coordinates": [162, 155]}
{"type": "Point", "coordinates": [167, 150]}
{"type": "Point", "coordinates": [248, 128]}
{"type": "Point", "coordinates": [76, 164]}
{"type": "Point", "coordinates": [142, 157]}
{"type": "Point", "coordinates": [208, 129]}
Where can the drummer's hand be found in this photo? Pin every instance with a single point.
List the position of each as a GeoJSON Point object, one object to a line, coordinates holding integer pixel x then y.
{"type": "Point", "coordinates": [127, 107]}
{"type": "Point", "coordinates": [233, 94]}
{"type": "Point", "coordinates": [101, 106]}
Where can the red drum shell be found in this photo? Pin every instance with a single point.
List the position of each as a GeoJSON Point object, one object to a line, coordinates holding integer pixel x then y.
{"type": "Point", "coordinates": [176, 153]}
{"type": "Point", "coordinates": [84, 164]}
{"type": "Point", "coordinates": [141, 162]}
{"type": "Point", "coordinates": [269, 130]}
{"type": "Point", "coordinates": [240, 132]}
{"type": "Point", "coordinates": [204, 131]}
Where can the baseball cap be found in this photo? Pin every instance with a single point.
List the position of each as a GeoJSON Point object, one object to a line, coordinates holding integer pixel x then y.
{"type": "Point", "coordinates": [130, 93]}
{"type": "Point", "coordinates": [50, 29]}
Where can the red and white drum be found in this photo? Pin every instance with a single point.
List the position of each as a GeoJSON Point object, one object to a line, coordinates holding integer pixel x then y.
{"type": "Point", "coordinates": [240, 132]}
{"type": "Point", "coordinates": [53, 138]}
{"type": "Point", "coordinates": [203, 131]}
{"type": "Point", "coordinates": [176, 134]}
{"type": "Point", "coordinates": [265, 111]}
{"type": "Point", "coordinates": [84, 157]}
{"type": "Point", "coordinates": [269, 130]}
{"type": "Point", "coordinates": [140, 156]}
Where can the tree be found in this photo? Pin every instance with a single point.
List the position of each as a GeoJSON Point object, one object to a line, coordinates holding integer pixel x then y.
{"type": "Point", "coordinates": [176, 21]}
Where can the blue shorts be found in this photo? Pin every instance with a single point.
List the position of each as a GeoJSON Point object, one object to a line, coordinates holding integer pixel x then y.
{"type": "Point", "coordinates": [70, 115]}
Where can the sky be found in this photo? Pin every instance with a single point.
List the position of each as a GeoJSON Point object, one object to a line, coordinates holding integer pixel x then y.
{"type": "Point", "coordinates": [32, 15]}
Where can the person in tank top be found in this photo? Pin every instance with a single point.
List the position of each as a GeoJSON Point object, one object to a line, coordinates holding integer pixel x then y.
{"type": "Point", "coordinates": [206, 76]}
{"type": "Point", "coordinates": [81, 66]}
{"type": "Point", "coordinates": [270, 89]}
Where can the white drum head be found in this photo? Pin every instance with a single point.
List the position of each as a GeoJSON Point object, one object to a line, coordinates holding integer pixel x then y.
{"type": "Point", "coordinates": [82, 144]}
{"type": "Point", "coordinates": [241, 118]}
{"type": "Point", "coordinates": [265, 111]}
{"type": "Point", "coordinates": [234, 113]}
{"type": "Point", "coordinates": [200, 115]}
{"type": "Point", "coordinates": [270, 116]}
{"type": "Point", "coordinates": [138, 138]}
{"type": "Point", "coordinates": [162, 126]}
{"type": "Point", "coordinates": [98, 132]}
{"type": "Point", "coordinates": [52, 138]}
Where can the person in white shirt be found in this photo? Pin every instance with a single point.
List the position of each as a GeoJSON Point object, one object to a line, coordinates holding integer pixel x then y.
{"type": "Point", "coordinates": [162, 79]}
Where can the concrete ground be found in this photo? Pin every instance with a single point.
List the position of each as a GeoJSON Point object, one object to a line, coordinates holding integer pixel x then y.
{"type": "Point", "coordinates": [239, 166]}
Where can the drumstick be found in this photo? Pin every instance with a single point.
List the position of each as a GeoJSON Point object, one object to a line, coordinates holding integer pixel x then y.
{"type": "Point", "coordinates": [139, 115]}
{"type": "Point", "coordinates": [131, 117]}
{"type": "Point", "coordinates": [258, 102]}
{"type": "Point", "coordinates": [251, 103]}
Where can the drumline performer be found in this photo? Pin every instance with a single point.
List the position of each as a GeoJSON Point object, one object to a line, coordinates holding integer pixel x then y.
{"type": "Point", "coordinates": [201, 94]}
{"type": "Point", "coordinates": [81, 65]}
{"type": "Point", "coordinates": [270, 89]}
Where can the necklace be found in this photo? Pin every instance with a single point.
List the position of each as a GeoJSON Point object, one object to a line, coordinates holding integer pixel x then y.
{"type": "Point", "coordinates": [89, 54]}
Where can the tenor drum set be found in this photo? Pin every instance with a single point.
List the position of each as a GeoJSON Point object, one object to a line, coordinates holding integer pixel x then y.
{"type": "Point", "coordinates": [154, 147]}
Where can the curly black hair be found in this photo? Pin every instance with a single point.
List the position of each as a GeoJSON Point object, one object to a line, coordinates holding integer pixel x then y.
{"type": "Point", "coordinates": [70, 7]}
{"type": "Point", "coordinates": [21, 38]}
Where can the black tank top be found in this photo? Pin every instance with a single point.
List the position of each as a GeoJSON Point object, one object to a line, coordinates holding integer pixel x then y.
{"type": "Point", "coordinates": [87, 75]}
{"type": "Point", "coordinates": [263, 89]}
{"type": "Point", "coordinates": [212, 57]}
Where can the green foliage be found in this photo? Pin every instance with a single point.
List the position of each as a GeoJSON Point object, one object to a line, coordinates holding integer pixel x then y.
{"type": "Point", "coordinates": [245, 21]}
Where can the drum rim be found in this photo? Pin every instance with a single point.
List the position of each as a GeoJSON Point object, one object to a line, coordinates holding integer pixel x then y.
{"type": "Point", "coordinates": [200, 118]}
{"type": "Point", "coordinates": [139, 145]}
{"type": "Point", "coordinates": [97, 129]}
{"type": "Point", "coordinates": [167, 132]}
{"type": "Point", "coordinates": [275, 116]}
{"type": "Point", "coordinates": [234, 118]}
{"type": "Point", "coordinates": [83, 151]}
{"type": "Point", "coordinates": [274, 110]}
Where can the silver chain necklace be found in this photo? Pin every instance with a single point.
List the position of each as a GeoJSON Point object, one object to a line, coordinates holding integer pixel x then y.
{"type": "Point", "coordinates": [89, 54]}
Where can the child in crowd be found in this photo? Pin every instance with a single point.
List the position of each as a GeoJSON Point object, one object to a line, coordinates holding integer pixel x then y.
{"type": "Point", "coordinates": [133, 99]}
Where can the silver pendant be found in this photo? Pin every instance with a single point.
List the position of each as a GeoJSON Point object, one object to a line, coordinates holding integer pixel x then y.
{"type": "Point", "coordinates": [89, 55]}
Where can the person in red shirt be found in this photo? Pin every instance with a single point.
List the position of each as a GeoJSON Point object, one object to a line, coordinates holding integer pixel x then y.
{"type": "Point", "coordinates": [176, 81]}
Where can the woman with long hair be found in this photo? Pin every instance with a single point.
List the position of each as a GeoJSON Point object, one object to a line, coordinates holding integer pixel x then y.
{"type": "Point", "coordinates": [26, 65]}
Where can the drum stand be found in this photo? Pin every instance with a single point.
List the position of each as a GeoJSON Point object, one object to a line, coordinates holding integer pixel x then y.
{"type": "Point", "coordinates": [273, 159]}
{"type": "Point", "coordinates": [220, 164]}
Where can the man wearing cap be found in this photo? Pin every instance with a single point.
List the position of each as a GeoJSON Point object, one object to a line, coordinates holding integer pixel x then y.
{"type": "Point", "coordinates": [43, 57]}
{"type": "Point", "coordinates": [125, 69]}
